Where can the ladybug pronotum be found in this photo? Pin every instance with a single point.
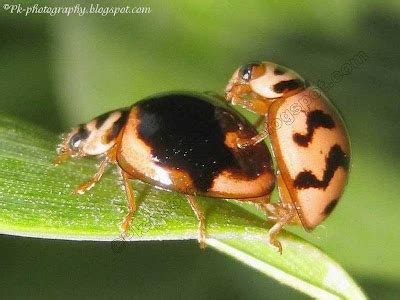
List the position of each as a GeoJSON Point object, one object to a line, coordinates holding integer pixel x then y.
{"type": "Point", "coordinates": [178, 141]}
{"type": "Point", "coordinates": [308, 138]}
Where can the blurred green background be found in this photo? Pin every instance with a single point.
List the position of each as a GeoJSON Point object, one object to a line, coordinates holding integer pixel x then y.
{"type": "Point", "coordinates": [62, 70]}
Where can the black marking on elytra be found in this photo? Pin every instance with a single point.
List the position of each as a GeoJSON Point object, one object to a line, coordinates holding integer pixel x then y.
{"type": "Point", "coordinates": [279, 70]}
{"type": "Point", "coordinates": [81, 135]}
{"type": "Point", "coordinates": [102, 118]}
{"type": "Point", "coordinates": [117, 126]}
{"type": "Point", "coordinates": [288, 85]}
{"type": "Point", "coordinates": [315, 119]}
{"type": "Point", "coordinates": [187, 132]}
{"type": "Point", "coordinates": [330, 207]}
{"type": "Point", "coordinates": [335, 159]}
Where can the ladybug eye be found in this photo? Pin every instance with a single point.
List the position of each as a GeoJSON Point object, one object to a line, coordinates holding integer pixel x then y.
{"type": "Point", "coordinates": [246, 72]}
{"type": "Point", "coordinates": [77, 138]}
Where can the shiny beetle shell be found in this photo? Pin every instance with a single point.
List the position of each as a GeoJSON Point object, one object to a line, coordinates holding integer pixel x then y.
{"type": "Point", "coordinates": [312, 152]}
{"type": "Point", "coordinates": [188, 144]}
{"type": "Point", "coordinates": [308, 136]}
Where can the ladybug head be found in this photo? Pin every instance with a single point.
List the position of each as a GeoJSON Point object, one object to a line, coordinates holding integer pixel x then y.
{"type": "Point", "coordinates": [93, 138]}
{"type": "Point", "coordinates": [265, 79]}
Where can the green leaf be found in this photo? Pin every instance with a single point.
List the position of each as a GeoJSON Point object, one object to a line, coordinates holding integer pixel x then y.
{"type": "Point", "coordinates": [36, 200]}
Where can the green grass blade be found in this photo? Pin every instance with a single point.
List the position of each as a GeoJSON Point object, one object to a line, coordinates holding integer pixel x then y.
{"type": "Point", "coordinates": [36, 200]}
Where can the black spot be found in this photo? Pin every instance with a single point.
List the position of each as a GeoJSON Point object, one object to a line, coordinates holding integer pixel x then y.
{"type": "Point", "coordinates": [117, 126]}
{"type": "Point", "coordinates": [315, 119]}
{"type": "Point", "coordinates": [330, 207]}
{"type": "Point", "coordinates": [188, 132]}
{"type": "Point", "coordinates": [279, 70]}
{"type": "Point", "coordinates": [102, 118]}
{"type": "Point", "coordinates": [288, 85]}
{"type": "Point", "coordinates": [336, 158]}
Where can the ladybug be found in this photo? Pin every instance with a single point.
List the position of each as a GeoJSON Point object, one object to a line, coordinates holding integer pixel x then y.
{"type": "Point", "coordinates": [308, 138]}
{"type": "Point", "coordinates": [183, 142]}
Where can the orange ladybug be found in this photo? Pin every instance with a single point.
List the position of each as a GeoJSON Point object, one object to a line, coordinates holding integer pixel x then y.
{"type": "Point", "coordinates": [308, 136]}
{"type": "Point", "coordinates": [183, 142]}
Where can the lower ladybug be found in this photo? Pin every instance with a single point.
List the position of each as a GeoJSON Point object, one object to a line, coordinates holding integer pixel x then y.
{"type": "Point", "coordinates": [180, 142]}
{"type": "Point", "coordinates": [308, 137]}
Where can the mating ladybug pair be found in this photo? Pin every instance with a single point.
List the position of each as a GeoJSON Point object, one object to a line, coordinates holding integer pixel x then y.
{"type": "Point", "coordinates": [200, 146]}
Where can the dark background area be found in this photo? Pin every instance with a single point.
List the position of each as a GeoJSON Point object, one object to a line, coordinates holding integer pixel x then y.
{"type": "Point", "coordinates": [63, 70]}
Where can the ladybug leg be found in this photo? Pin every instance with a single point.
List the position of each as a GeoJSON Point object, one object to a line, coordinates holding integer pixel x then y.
{"type": "Point", "coordinates": [243, 95]}
{"type": "Point", "coordinates": [131, 202]}
{"type": "Point", "coordinates": [259, 106]}
{"type": "Point", "coordinates": [282, 213]}
{"type": "Point", "coordinates": [81, 189]}
{"type": "Point", "coordinates": [243, 143]}
{"type": "Point", "coordinates": [200, 216]}
{"type": "Point", "coordinates": [235, 93]}
{"type": "Point", "coordinates": [110, 158]}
